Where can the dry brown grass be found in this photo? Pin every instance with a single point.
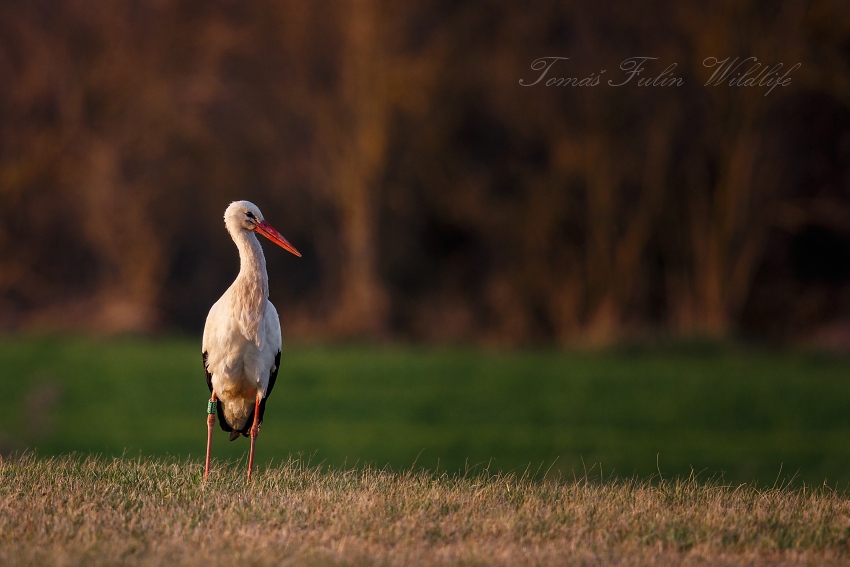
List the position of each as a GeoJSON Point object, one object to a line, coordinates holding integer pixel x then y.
{"type": "Point", "coordinates": [94, 511]}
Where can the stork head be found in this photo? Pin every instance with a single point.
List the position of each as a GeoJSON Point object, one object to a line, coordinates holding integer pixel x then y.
{"type": "Point", "coordinates": [244, 215]}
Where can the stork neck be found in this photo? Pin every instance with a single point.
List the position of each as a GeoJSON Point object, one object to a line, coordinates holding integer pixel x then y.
{"type": "Point", "coordinates": [249, 293]}
{"type": "Point", "coordinates": [252, 269]}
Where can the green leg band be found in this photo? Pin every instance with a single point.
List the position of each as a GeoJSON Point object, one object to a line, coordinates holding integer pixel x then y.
{"type": "Point", "coordinates": [211, 407]}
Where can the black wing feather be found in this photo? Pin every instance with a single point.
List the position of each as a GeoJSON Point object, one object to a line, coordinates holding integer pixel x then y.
{"type": "Point", "coordinates": [272, 380]}
{"type": "Point", "coordinates": [273, 376]}
{"type": "Point", "coordinates": [207, 372]}
{"type": "Point", "coordinates": [219, 410]}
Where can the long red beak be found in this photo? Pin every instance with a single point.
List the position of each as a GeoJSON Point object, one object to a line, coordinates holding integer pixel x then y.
{"type": "Point", "coordinates": [269, 232]}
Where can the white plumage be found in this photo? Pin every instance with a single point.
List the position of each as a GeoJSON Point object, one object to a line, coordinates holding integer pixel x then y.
{"type": "Point", "coordinates": [241, 344]}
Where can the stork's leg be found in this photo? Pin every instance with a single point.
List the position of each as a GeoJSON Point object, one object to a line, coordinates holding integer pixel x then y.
{"type": "Point", "coordinates": [211, 410]}
{"type": "Point", "coordinates": [255, 430]}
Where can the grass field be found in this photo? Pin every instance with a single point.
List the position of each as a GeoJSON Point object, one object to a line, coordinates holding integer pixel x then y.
{"type": "Point", "coordinates": [731, 414]}
{"type": "Point", "coordinates": [73, 511]}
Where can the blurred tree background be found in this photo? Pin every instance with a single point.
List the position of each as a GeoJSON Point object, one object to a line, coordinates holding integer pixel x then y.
{"type": "Point", "coordinates": [433, 196]}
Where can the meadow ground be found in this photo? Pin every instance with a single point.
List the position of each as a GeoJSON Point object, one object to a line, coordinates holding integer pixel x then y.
{"type": "Point", "coordinates": [105, 511]}
{"type": "Point", "coordinates": [404, 456]}
{"type": "Point", "coordinates": [731, 414]}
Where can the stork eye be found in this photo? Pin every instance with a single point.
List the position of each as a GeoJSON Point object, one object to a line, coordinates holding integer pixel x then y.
{"type": "Point", "coordinates": [251, 215]}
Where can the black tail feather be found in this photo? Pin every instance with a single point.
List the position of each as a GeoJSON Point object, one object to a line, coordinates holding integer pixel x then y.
{"type": "Point", "coordinates": [246, 430]}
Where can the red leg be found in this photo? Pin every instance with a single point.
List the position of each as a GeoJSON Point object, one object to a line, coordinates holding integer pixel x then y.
{"type": "Point", "coordinates": [255, 430]}
{"type": "Point", "coordinates": [211, 411]}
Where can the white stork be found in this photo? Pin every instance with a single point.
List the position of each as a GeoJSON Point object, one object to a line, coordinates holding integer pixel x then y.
{"type": "Point", "coordinates": [241, 346]}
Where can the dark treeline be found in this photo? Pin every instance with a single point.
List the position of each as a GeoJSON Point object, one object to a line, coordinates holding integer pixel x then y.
{"type": "Point", "coordinates": [433, 195]}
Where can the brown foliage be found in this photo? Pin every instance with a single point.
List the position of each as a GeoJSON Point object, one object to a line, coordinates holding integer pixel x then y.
{"type": "Point", "coordinates": [434, 196]}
